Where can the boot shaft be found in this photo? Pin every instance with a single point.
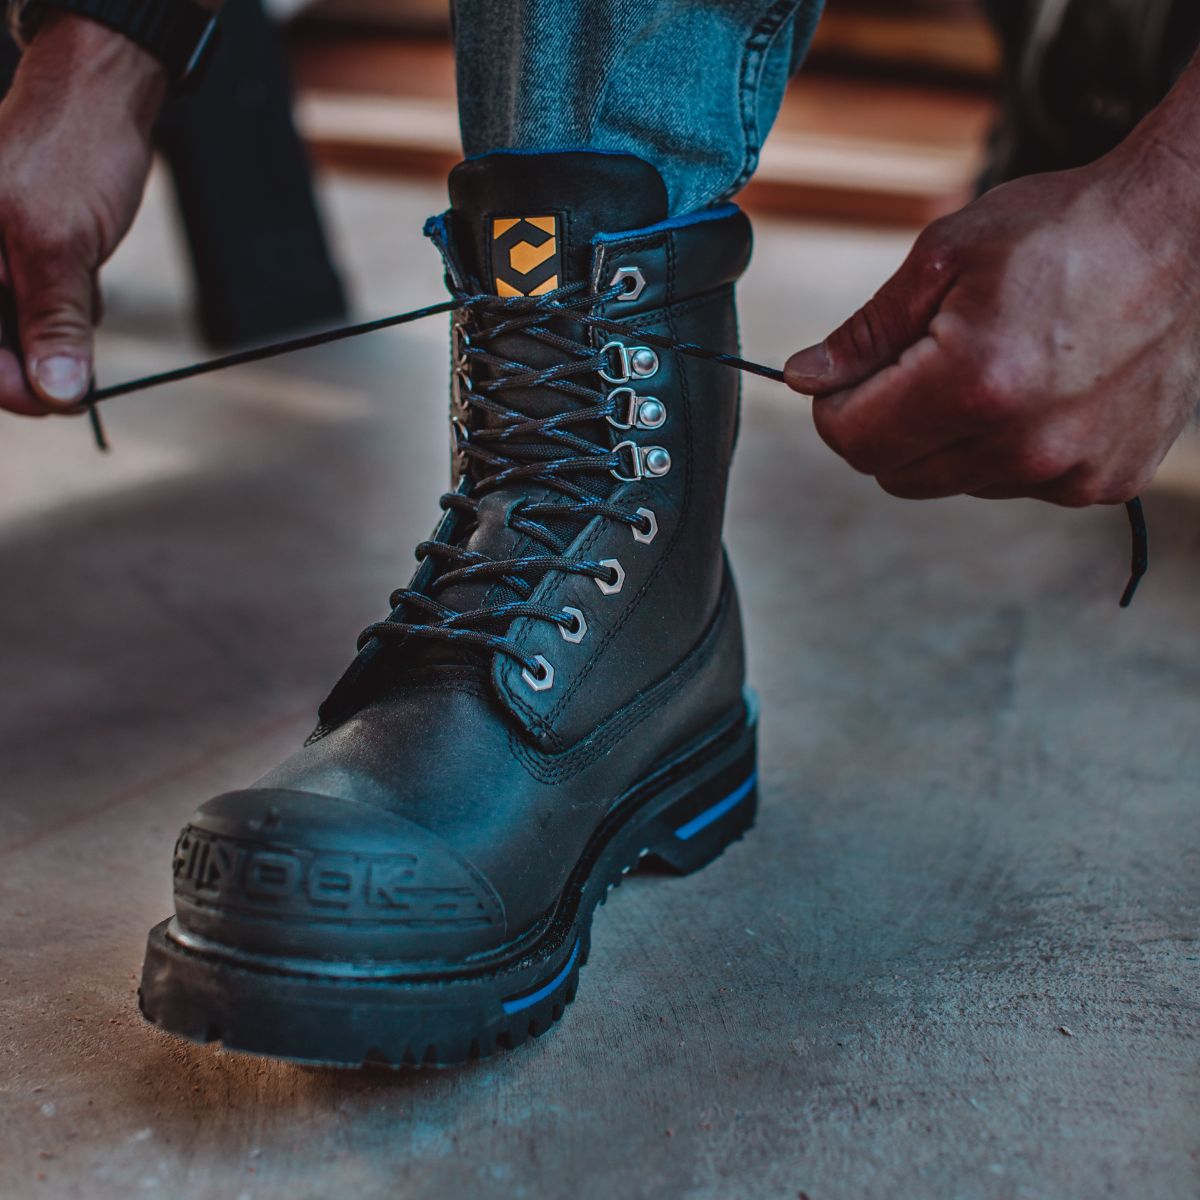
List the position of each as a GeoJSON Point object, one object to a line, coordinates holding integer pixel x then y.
{"type": "Point", "coordinates": [659, 428]}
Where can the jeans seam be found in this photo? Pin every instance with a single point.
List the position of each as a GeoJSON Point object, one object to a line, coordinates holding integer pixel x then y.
{"type": "Point", "coordinates": [757, 45]}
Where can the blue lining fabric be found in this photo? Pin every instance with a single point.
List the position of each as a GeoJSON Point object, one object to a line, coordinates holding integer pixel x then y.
{"type": "Point", "coordinates": [718, 810]}
{"type": "Point", "coordinates": [512, 1006]}
{"type": "Point", "coordinates": [719, 213]}
{"type": "Point", "coordinates": [437, 226]}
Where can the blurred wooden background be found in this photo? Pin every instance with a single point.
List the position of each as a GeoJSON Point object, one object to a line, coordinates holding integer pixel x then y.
{"type": "Point", "coordinates": [884, 126]}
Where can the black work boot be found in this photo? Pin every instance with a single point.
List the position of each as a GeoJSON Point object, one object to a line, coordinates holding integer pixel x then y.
{"type": "Point", "coordinates": [557, 695]}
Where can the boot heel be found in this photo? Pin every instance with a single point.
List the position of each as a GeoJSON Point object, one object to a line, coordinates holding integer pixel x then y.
{"type": "Point", "coordinates": [717, 807]}
{"type": "Point", "coordinates": [695, 843]}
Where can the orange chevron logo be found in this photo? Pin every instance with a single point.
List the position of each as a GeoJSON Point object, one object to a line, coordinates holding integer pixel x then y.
{"type": "Point", "coordinates": [526, 258]}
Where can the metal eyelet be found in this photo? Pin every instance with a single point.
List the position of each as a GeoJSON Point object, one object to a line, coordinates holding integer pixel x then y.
{"type": "Point", "coordinates": [611, 589]}
{"type": "Point", "coordinates": [645, 462]}
{"type": "Point", "coordinates": [641, 412]}
{"type": "Point", "coordinates": [575, 633]}
{"type": "Point", "coordinates": [625, 276]}
{"type": "Point", "coordinates": [542, 681]}
{"type": "Point", "coordinates": [647, 535]}
{"type": "Point", "coordinates": [633, 362]}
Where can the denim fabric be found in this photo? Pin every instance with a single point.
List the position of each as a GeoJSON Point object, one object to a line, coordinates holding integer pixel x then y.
{"type": "Point", "coordinates": [691, 86]}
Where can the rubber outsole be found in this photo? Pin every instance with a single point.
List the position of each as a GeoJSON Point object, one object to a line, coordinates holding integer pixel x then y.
{"type": "Point", "coordinates": [351, 1015]}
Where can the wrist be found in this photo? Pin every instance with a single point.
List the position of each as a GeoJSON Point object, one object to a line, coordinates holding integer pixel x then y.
{"type": "Point", "coordinates": [74, 55]}
{"type": "Point", "coordinates": [1157, 167]}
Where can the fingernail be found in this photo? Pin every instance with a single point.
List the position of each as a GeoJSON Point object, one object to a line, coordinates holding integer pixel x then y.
{"type": "Point", "coordinates": [61, 378]}
{"type": "Point", "coordinates": [812, 363]}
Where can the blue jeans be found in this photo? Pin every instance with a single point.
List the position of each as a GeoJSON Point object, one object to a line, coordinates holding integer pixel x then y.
{"type": "Point", "coordinates": [691, 86]}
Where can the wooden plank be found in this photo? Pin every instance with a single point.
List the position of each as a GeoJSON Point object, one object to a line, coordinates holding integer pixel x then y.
{"type": "Point", "coordinates": [960, 44]}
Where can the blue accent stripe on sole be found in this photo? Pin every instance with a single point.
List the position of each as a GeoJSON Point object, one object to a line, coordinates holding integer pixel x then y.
{"type": "Point", "coordinates": [718, 810]}
{"type": "Point", "coordinates": [512, 1006]}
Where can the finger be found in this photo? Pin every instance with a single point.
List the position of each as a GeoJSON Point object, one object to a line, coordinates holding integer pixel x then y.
{"type": "Point", "coordinates": [894, 319]}
{"type": "Point", "coordinates": [15, 395]}
{"type": "Point", "coordinates": [54, 295]}
{"type": "Point", "coordinates": [904, 413]}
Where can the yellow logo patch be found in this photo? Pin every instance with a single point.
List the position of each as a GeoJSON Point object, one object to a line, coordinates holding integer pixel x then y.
{"type": "Point", "coordinates": [526, 258]}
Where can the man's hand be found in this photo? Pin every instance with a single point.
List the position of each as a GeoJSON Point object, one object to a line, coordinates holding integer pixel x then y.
{"type": "Point", "coordinates": [1044, 341]}
{"type": "Point", "coordinates": [74, 155]}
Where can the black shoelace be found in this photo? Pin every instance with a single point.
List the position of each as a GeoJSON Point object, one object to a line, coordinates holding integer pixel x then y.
{"type": "Point", "coordinates": [498, 446]}
{"type": "Point", "coordinates": [561, 458]}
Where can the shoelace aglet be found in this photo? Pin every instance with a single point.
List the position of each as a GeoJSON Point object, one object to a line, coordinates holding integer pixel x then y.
{"type": "Point", "coordinates": [1139, 562]}
{"type": "Point", "coordinates": [97, 426]}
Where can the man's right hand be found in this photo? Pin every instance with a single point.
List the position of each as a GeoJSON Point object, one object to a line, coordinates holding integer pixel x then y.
{"type": "Point", "coordinates": [74, 155]}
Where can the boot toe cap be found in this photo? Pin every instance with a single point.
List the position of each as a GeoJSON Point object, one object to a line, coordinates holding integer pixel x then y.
{"type": "Point", "coordinates": [278, 873]}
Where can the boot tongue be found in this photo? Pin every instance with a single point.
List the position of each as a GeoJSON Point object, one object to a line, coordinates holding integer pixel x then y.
{"type": "Point", "coordinates": [523, 223]}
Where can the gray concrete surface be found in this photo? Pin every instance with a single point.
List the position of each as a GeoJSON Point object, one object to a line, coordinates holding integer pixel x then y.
{"type": "Point", "coordinates": [957, 959]}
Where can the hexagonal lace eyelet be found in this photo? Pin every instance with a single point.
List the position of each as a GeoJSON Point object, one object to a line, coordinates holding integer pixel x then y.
{"type": "Point", "coordinates": [633, 281]}
{"type": "Point", "coordinates": [650, 532]}
{"type": "Point", "coordinates": [613, 587]}
{"type": "Point", "coordinates": [544, 679]}
{"type": "Point", "coordinates": [574, 632]}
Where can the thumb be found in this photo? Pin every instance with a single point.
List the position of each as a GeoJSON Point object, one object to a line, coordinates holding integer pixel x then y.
{"type": "Point", "coordinates": [896, 317]}
{"type": "Point", "coordinates": [54, 295]}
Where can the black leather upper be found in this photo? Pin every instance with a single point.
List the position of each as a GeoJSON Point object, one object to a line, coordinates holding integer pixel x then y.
{"type": "Point", "coordinates": [443, 802]}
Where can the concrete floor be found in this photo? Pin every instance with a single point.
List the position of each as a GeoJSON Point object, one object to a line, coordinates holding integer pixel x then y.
{"type": "Point", "coordinates": [957, 959]}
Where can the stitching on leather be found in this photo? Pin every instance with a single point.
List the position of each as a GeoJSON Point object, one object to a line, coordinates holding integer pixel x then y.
{"type": "Point", "coordinates": [533, 716]}
{"type": "Point", "coordinates": [551, 769]}
{"type": "Point", "coordinates": [686, 309]}
{"type": "Point", "coordinates": [749, 78]}
{"type": "Point", "coordinates": [684, 508]}
{"type": "Point", "coordinates": [544, 725]}
{"type": "Point", "coordinates": [669, 550]}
